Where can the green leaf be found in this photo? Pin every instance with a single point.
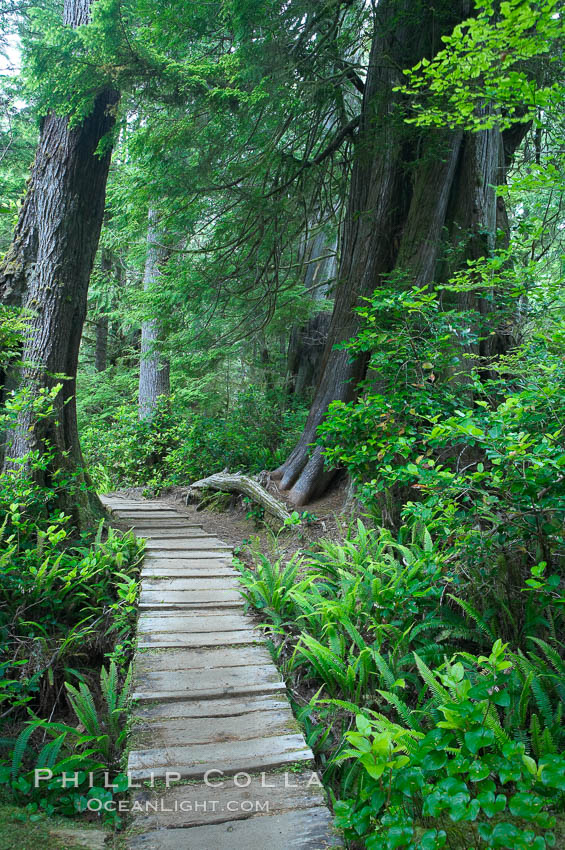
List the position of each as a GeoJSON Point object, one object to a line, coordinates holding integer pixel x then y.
{"type": "Point", "coordinates": [478, 738]}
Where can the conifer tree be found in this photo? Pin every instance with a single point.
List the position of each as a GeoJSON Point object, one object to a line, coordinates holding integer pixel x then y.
{"type": "Point", "coordinates": [47, 271]}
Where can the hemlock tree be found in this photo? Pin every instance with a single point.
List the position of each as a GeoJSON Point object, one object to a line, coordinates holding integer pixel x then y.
{"type": "Point", "coordinates": [47, 271]}
{"type": "Point", "coordinates": [409, 186]}
{"type": "Point", "coordinates": [154, 369]}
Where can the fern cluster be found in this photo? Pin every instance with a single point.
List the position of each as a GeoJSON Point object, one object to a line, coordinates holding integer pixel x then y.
{"type": "Point", "coordinates": [94, 746]}
{"type": "Point", "coordinates": [380, 627]}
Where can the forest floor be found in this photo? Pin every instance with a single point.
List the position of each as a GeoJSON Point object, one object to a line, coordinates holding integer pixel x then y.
{"type": "Point", "coordinates": [53, 833]}
{"type": "Point", "coordinates": [234, 526]}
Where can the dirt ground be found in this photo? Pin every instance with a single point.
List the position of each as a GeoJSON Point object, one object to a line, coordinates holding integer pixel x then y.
{"type": "Point", "coordinates": [332, 517]}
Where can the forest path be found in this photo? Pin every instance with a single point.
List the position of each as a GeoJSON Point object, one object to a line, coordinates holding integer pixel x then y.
{"type": "Point", "coordinates": [211, 712]}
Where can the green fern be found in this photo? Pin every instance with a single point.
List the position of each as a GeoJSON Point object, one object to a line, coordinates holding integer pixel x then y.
{"type": "Point", "coordinates": [474, 615]}
{"type": "Point", "coordinates": [384, 669]}
{"type": "Point", "coordinates": [535, 735]}
{"type": "Point", "coordinates": [403, 711]}
{"type": "Point", "coordinates": [82, 703]}
{"type": "Point", "coordinates": [20, 748]}
{"type": "Point", "coordinates": [492, 722]}
{"type": "Point", "coordinates": [441, 695]}
{"type": "Point", "coordinates": [525, 699]}
{"type": "Point", "coordinates": [552, 655]}
{"type": "Point", "coordinates": [50, 752]}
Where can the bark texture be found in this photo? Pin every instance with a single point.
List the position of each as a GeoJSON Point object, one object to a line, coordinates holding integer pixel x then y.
{"type": "Point", "coordinates": [47, 270]}
{"type": "Point", "coordinates": [308, 341]}
{"type": "Point", "coordinates": [408, 188]}
{"type": "Point", "coordinates": [154, 379]}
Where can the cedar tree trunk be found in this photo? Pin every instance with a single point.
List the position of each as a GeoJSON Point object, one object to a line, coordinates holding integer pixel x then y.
{"type": "Point", "coordinates": [408, 187]}
{"type": "Point", "coordinates": [47, 271]}
{"type": "Point", "coordinates": [308, 341]}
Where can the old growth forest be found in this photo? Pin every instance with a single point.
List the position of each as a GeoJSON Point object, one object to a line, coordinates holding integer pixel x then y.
{"type": "Point", "coordinates": [316, 250]}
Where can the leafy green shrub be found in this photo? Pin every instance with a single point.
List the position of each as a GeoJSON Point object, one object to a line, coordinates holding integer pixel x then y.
{"type": "Point", "coordinates": [174, 448]}
{"type": "Point", "coordinates": [464, 782]}
{"type": "Point", "coordinates": [61, 597]}
{"type": "Point", "coordinates": [471, 450]}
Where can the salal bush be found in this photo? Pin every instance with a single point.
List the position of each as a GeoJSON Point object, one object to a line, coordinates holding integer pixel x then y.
{"type": "Point", "coordinates": [473, 449]}
{"type": "Point", "coordinates": [457, 780]}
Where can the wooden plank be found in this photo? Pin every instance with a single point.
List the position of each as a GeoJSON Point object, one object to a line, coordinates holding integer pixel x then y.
{"type": "Point", "coordinates": [186, 543]}
{"type": "Point", "coordinates": [301, 829]}
{"type": "Point", "coordinates": [197, 639]}
{"type": "Point", "coordinates": [132, 515]}
{"type": "Point", "coordinates": [204, 803]}
{"type": "Point", "coordinates": [221, 707]}
{"type": "Point", "coordinates": [177, 521]}
{"type": "Point", "coordinates": [202, 659]}
{"type": "Point", "coordinates": [182, 555]}
{"type": "Point", "coordinates": [180, 607]}
{"type": "Point", "coordinates": [186, 731]}
{"type": "Point", "coordinates": [189, 597]}
{"type": "Point", "coordinates": [196, 760]}
{"type": "Point", "coordinates": [173, 571]}
{"type": "Point", "coordinates": [180, 533]}
{"type": "Point", "coordinates": [195, 622]}
{"type": "Point", "coordinates": [207, 684]}
{"type": "Point", "coordinates": [210, 583]}
{"type": "Point", "coordinates": [206, 561]}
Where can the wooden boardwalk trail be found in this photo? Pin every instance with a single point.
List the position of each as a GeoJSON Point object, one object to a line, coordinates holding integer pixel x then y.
{"type": "Point", "coordinates": [211, 719]}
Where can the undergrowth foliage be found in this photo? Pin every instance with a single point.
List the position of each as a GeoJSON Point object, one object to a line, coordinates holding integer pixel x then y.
{"type": "Point", "coordinates": [174, 448]}
{"type": "Point", "coordinates": [459, 736]}
{"type": "Point", "coordinates": [39, 777]}
{"type": "Point", "coordinates": [67, 608]}
{"type": "Point", "coordinates": [63, 600]}
{"type": "Point", "coordinates": [474, 450]}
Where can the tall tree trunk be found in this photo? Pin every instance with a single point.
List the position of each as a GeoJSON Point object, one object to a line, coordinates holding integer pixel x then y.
{"type": "Point", "coordinates": [308, 341]}
{"type": "Point", "coordinates": [47, 270]}
{"type": "Point", "coordinates": [154, 380]}
{"type": "Point", "coordinates": [101, 342]}
{"type": "Point", "coordinates": [407, 188]}
{"type": "Point", "coordinates": [101, 347]}
{"type": "Point", "coordinates": [379, 200]}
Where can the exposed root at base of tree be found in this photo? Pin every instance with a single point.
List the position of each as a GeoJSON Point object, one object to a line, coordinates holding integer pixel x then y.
{"type": "Point", "coordinates": [304, 475]}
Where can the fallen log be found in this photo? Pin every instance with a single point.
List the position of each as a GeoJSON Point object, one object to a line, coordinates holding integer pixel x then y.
{"type": "Point", "coordinates": [236, 483]}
